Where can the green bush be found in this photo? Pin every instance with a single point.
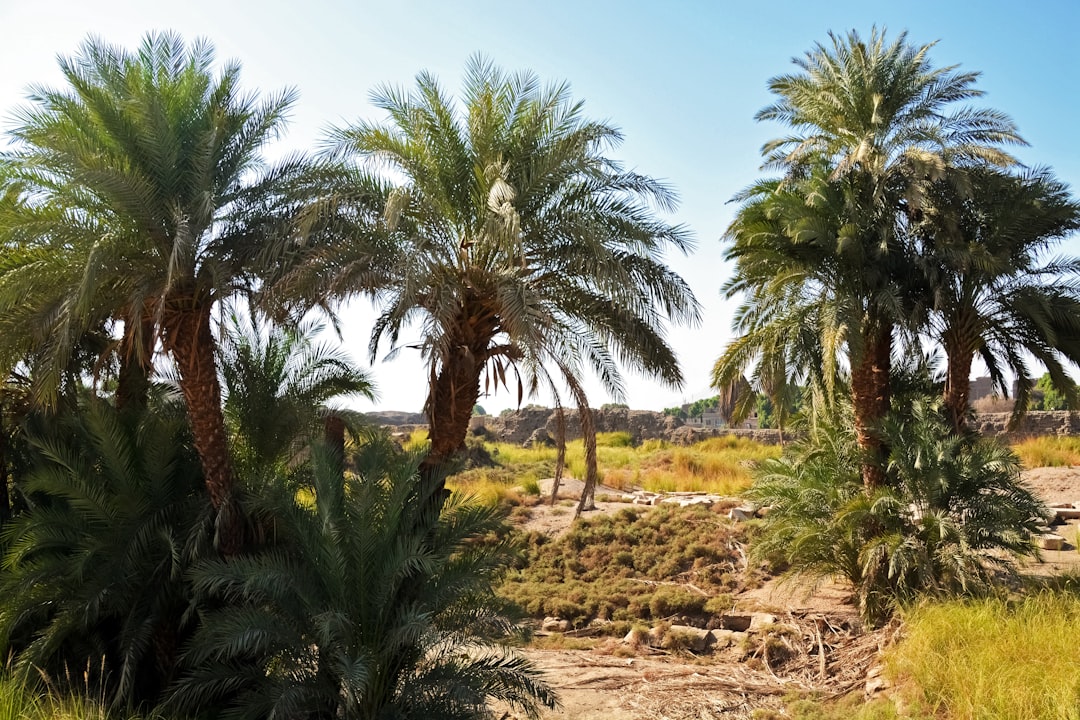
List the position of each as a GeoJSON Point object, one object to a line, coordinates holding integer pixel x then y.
{"type": "Point", "coordinates": [950, 518]}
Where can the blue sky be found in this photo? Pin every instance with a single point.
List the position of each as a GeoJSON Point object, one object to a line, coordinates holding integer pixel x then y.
{"type": "Point", "coordinates": [681, 79]}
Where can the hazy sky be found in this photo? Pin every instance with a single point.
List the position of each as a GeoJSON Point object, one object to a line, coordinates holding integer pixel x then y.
{"type": "Point", "coordinates": [682, 79]}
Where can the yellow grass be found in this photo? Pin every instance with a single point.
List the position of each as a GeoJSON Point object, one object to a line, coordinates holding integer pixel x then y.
{"type": "Point", "coordinates": [993, 659]}
{"type": "Point", "coordinates": [1046, 451]}
{"type": "Point", "coordinates": [718, 465]}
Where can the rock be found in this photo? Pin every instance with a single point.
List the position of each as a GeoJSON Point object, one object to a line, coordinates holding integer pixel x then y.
{"type": "Point", "coordinates": [1063, 514]}
{"type": "Point", "coordinates": [738, 623]}
{"type": "Point", "coordinates": [760, 621]}
{"type": "Point", "coordinates": [552, 624]}
{"type": "Point", "coordinates": [724, 638]}
{"type": "Point", "coordinates": [700, 640]}
{"type": "Point", "coordinates": [741, 514]}
{"type": "Point", "coordinates": [875, 681]}
{"type": "Point", "coordinates": [1051, 541]}
{"type": "Point", "coordinates": [539, 438]}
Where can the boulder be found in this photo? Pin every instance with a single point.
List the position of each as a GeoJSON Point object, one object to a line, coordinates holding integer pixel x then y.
{"type": "Point", "coordinates": [1051, 541]}
{"type": "Point", "coordinates": [553, 624]}
{"type": "Point", "coordinates": [760, 621]}
{"type": "Point", "coordinates": [700, 639]}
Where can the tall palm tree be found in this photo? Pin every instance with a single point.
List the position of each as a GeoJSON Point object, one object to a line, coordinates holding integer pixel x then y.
{"type": "Point", "coordinates": [885, 123]}
{"type": "Point", "coordinates": [148, 169]}
{"type": "Point", "coordinates": [508, 238]}
{"type": "Point", "coordinates": [995, 295]}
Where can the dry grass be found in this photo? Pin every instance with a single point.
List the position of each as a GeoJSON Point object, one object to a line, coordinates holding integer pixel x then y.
{"type": "Point", "coordinates": [718, 465]}
{"type": "Point", "coordinates": [632, 565]}
{"type": "Point", "coordinates": [1049, 451]}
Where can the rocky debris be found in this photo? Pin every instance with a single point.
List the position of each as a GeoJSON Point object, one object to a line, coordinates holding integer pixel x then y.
{"type": "Point", "coordinates": [761, 621]}
{"type": "Point", "coordinates": [539, 438]}
{"type": "Point", "coordinates": [875, 681]}
{"type": "Point", "coordinates": [747, 511]}
{"type": "Point", "coordinates": [518, 427]}
{"type": "Point", "coordinates": [1063, 512]}
{"type": "Point", "coordinates": [1050, 541]}
{"type": "Point", "coordinates": [700, 640]}
{"type": "Point", "coordinates": [554, 624]}
{"type": "Point", "coordinates": [395, 417]}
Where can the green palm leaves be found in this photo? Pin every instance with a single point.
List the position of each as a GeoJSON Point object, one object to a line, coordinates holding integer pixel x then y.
{"type": "Point", "coordinates": [509, 238]}
{"type": "Point", "coordinates": [143, 184]}
{"type": "Point", "coordinates": [829, 256]}
{"type": "Point", "coordinates": [356, 615]}
{"type": "Point", "coordinates": [948, 521]}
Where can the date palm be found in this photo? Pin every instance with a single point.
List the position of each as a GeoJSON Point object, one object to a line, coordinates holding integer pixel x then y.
{"type": "Point", "coordinates": [315, 626]}
{"type": "Point", "coordinates": [146, 172]}
{"type": "Point", "coordinates": [995, 293]}
{"type": "Point", "coordinates": [885, 123]}
{"type": "Point", "coordinates": [509, 238]}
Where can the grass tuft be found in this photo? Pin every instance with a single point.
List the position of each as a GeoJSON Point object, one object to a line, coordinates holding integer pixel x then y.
{"type": "Point", "coordinates": [1049, 451]}
{"type": "Point", "coordinates": [993, 659]}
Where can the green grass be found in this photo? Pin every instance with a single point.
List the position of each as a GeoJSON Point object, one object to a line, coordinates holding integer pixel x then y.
{"type": "Point", "coordinates": [993, 660]}
{"type": "Point", "coordinates": [26, 701]}
{"type": "Point", "coordinates": [1049, 451]}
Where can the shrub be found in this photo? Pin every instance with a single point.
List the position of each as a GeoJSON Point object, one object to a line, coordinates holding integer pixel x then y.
{"type": "Point", "coordinates": [951, 515]}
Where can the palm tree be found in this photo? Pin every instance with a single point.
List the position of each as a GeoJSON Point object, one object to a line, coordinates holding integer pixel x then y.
{"type": "Point", "coordinates": [278, 382]}
{"type": "Point", "coordinates": [985, 238]}
{"type": "Point", "coordinates": [94, 571]}
{"type": "Point", "coordinates": [883, 123]}
{"type": "Point", "coordinates": [315, 627]}
{"type": "Point", "coordinates": [510, 240]}
{"type": "Point", "coordinates": [147, 169]}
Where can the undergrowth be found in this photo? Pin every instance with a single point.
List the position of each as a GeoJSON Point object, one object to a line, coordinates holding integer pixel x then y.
{"type": "Point", "coordinates": [631, 565]}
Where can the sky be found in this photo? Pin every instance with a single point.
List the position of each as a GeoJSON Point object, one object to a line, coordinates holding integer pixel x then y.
{"type": "Point", "coordinates": [682, 79]}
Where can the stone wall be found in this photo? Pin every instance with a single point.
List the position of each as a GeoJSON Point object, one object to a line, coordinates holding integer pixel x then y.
{"type": "Point", "coordinates": [529, 424]}
{"type": "Point", "coordinates": [1043, 422]}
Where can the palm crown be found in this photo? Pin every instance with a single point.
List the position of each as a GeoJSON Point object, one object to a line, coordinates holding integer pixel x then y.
{"type": "Point", "coordinates": [512, 241]}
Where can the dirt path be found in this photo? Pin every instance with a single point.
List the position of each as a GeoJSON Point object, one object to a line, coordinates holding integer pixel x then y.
{"type": "Point", "coordinates": [612, 681]}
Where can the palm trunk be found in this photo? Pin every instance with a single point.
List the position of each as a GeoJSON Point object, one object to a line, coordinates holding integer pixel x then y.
{"type": "Point", "coordinates": [136, 350]}
{"type": "Point", "coordinates": [588, 435]}
{"type": "Point", "coordinates": [560, 457]}
{"type": "Point", "coordinates": [960, 340]}
{"type": "Point", "coordinates": [5, 498]}
{"type": "Point", "coordinates": [452, 397]}
{"type": "Point", "coordinates": [188, 338]}
{"type": "Point", "coordinates": [870, 399]}
{"type": "Point", "coordinates": [334, 437]}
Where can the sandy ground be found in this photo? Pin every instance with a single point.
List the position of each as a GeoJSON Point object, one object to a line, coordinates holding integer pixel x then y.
{"type": "Point", "coordinates": [604, 684]}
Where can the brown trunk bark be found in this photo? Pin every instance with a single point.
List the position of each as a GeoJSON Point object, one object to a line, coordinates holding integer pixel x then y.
{"type": "Point", "coordinates": [449, 408]}
{"type": "Point", "coordinates": [588, 436]}
{"type": "Point", "coordinates": [959, 342]}
{"type": "Point", "coordinates": [334, 437]}
{"type": "Point", "coordinates": [5, 498]}
{"type": "Point", "coordinates": [136, 353]}
{"type": "Point", "coordinates": [870, 400]}
{"type": "Point", "coordinates": [188, 339]}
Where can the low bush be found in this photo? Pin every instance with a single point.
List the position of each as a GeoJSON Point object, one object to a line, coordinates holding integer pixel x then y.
{"type": "Point", "coordinates": [948, 520]}
{"type": "Point", "coordinates": [632, 565]}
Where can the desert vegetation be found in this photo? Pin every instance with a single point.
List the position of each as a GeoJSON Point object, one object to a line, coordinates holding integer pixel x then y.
{"type": "Point", "coordinates": [194, 523]}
